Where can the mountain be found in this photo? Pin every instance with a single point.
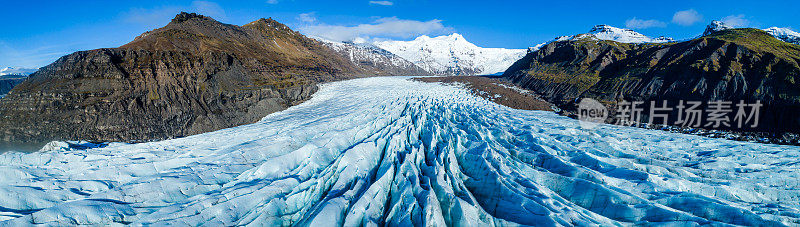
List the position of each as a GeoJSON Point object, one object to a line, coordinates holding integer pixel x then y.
{"type": "Point", "coordinates": [785, 34]}
{"type": "Point", "coordinates": [194, 75]}
{"type": "Point", "coordinates": [371, 58]}
{"type": "Point", "coordinates": [622, 35]}
{"type": "Point", "coordinates": [453, 55]}
{"type": "Point", "coordinates": [397, 152]}
{"type": "Point", "coordinates": [716, 26]}
{"type": "Point", "coordinates": [727, 64]}
{"type": "Point", "coordinates": [16, 71]}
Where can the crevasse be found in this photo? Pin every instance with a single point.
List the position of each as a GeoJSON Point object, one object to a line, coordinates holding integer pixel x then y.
{"type": "Point", "coordinates": [390, 151]}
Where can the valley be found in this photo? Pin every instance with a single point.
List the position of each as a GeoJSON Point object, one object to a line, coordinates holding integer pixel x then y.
{"type": "Point", "coordinates": [402, 122]}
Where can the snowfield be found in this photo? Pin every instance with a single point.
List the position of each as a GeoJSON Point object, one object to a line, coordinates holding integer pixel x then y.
{"type": "Point", "coordinates": [453, 55]}
{"type": "Point", "coordinates": [390, 151]}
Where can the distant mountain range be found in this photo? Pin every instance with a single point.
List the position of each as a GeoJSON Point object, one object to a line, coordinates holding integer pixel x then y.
{"type": "Point", "coordinates": [453, 55]}
{"type": "Point", "coordinates": [16, 71]}
{"type": "Point", "coordinates": [367, 56]}
{"type": "Point", "coordinates": [622, 35]}
{"type": "Point", "coordinates": [724, 64]}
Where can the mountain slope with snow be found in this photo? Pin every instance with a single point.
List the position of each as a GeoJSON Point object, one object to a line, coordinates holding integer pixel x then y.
{"type": "Point", "coordinates": [716, 26]}
{"type": "Point", "coordinates": [785, 34]}
{"type": "Point", "coordinates": [390, 151]}
{"type": "Point", "coordinates": [606, 32]}
{"type": "Point", "coordinates": [369, 58]}
{"type": "Point", "coordinates": [453, 55]}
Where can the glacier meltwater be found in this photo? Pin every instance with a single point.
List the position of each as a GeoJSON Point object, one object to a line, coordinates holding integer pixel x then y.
{"type": "Point", "coordinates": [392, 151]}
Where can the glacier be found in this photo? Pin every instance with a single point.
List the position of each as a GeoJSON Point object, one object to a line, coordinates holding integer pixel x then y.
{"type": "Point", "coordinates": [392, 151]}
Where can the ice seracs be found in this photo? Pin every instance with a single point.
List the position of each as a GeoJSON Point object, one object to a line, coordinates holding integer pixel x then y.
{"type": "Point", "coordinates": [623, 35]}
{"type": "Point", "coordinates": [453, 55]}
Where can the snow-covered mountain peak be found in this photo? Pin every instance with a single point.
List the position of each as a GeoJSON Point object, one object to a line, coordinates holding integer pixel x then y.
{"type": "Point", "coordinates": [454, 39]}
{"type": "Point", "coordinates": [604, 28]}
{"type": "Point", "coordinates": [369, 56]}
{"type": "Point", "coordinates": [785, 34]}
{"type": "Point", "coordinates": [623, 35]}
{"type": "Point", "coordinates": [16, 71]}
{"type": "Point", "coordinates": [716, 26]}
{"type": "Point", "coordinates": [453, 55]}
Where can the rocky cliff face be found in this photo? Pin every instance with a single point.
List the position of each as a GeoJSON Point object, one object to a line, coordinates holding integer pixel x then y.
{"type": "Point", "coordinates": [732, 64]}
{"type": "Point", "coordinates": [192, 76]}
{"type": "Point", "coordinates": [8, 82]}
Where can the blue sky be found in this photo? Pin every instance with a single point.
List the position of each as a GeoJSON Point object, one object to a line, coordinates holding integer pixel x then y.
{"type": "Point", "coordinates": [36, 33]}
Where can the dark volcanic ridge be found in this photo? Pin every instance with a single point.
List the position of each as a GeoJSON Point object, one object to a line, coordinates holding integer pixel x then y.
{"type": "Point", "coordinates": [732, 65]}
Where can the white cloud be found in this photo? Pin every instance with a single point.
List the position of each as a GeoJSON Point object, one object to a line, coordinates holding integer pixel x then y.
{"type": "Point", "coordinates": [635, 23]}
{"type": "Point", "coordinates": [389, 27]}
{"type": "Point", "coordinates": [307, 17]}
{"type": "Point", "coordinates": [686, 17]}
{"type": "Point", "coordinates": [383, 3]}
{"type": "Point", "coordinates": [736, 21]}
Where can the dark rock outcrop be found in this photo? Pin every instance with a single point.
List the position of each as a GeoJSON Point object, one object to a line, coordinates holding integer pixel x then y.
{"type": "Point", "coordinates": [729, 64]}
{"type": "Point", "coordinates": [8, 82]}
{"type": "Point", "coordinates": [192, 76]}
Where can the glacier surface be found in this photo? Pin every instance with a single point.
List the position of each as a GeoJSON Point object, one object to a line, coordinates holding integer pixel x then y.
{"type": "Point", "coordinates": [391, 151]}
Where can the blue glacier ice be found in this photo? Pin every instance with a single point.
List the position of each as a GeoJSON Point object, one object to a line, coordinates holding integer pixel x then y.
{"type": "Point", "coordinates": [392, 151]}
